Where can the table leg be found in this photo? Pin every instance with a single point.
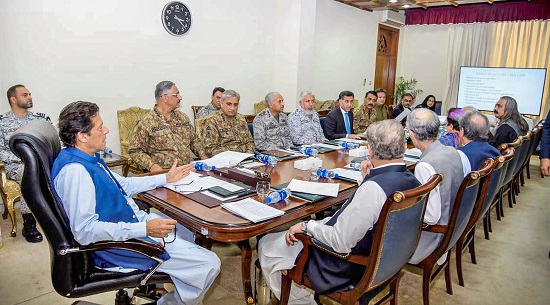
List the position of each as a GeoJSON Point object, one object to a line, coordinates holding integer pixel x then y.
{"type": "Point", "coordinates": [125, 168]}
{"type": "Point", "coordinates": [246, 260]}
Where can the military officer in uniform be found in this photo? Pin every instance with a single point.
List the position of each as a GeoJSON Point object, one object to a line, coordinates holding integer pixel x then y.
{"type": "Point", "coordinates": [227, 129]}
{"type": "Point", "coordinates": [304, 124]}
{"type": "Point", "coordinates": [214, 104]}
{"type": "Point", "coordinates": [165, 134]}
{"type": "Point", "coordinates": [270, 125]}
{"type": "Point", "coordinates": [365, 115]}
{"type": "Point", "coordinates": [20, 100]}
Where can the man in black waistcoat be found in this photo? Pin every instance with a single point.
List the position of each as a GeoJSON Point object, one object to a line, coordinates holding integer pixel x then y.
{"type": "Point", "coordinates": [350, 229]}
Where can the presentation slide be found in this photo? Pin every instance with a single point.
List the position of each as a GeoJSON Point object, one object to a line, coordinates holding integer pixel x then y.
{"type": "Point", "coordinates": [481, 87]}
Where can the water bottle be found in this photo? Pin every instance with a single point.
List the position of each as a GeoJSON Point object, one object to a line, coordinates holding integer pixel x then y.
{"type": "Point", "coordinates": [267, 159]}
{"type": "Point", "coordinates": [326, 173]}
{"type": "Point", "coordinates": [107, 152]}
{"type": "Point", "coordinates": [310, 151]}
{"type": "Point", "coordinates": [349, 145]}
{"type": "Point", "coordinates": [356, 166]}
{"type": "Point", "coordinates": [201, 166]}
{"type": "Point", "coordinates": [277, 196]}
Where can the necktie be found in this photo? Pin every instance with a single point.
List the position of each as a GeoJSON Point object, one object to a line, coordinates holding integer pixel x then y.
{"type": "Point", "coordinates": [346, 121]}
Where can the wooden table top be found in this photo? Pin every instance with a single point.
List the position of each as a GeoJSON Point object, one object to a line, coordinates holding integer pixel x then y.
{"type": "Point", "coordinates": [219, 224]}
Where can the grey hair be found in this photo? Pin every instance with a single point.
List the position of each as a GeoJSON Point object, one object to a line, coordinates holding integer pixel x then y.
{"type": "Point", "coordinates": [386, 139]}
{"type": "Point", "coordinates": [270, 97]}
{"type": "Point", "coordinates": [469, 108]}
{"type": "Point", "coordinates": [231, 93]}
{"type": "Point", "coordinates": [475, 126]}
{"type": "Point", "coordinates": [305, 93]}
{"type": "Point", "coordinates": [424, 123]}
{"type": "Point", "coordinates": [511, 112]}
{"type": "Point", "coordinates": [163, 87]}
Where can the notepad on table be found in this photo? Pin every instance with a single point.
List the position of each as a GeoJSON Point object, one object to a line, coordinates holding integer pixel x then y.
{"type": "Point", "coordinates": [252, 210]}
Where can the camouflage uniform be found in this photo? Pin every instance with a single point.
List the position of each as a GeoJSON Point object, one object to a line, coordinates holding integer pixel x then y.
{"type": "Point", "coordinates": [381, 112]}
{"type": "Point", "coordinates": [14, 166]}
{"type": "Point", "coordinates": [156, 140]}
{"type": "Point", "coordinates": [305, 128]}
{"type": "Point", "coordinates": [362, 118]}
{"type": "Point", "coordinates": [270, 133]}
{"type": "Point", "coordinates": [206, 111]}
{"type": "Point", "coordinates": [221, 133]}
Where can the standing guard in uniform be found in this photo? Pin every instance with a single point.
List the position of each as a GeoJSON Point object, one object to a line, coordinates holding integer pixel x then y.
{"type": "Point", "coordinates": [227, 129]}
{"type": "Point", "coordinates": [270, 125]}
{"type": "Point", "coordinates": [165, 134]}
{"type": "Point", "coordinates": [20, 101]}
{"type": "Point", "coordinates": [304, 124]}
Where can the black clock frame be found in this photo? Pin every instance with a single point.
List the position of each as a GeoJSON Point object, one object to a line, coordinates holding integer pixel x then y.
{"type": "Point", "coordinates": [172, 29]}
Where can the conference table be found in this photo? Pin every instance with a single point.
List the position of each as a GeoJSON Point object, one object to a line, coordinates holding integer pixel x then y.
{"type": "Point", "coordinates": [218, 224]}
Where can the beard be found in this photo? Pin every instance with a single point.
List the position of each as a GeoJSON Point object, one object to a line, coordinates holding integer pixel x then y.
{"type": "Point", "coordinates": [312, 111]}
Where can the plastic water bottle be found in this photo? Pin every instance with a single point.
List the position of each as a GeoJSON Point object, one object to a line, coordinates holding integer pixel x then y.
{"type": "Point", "coordinates": [349, 145]}
{"type": "Point", "coordinates": [310, 151]}
{"type": "Point", "coordinates": [277, 196]}
{"type": "Point", "coordinates": [356, 166]}
{"type": "Point", "coordinates": [107, 152]}
{"type": "Point", "coordinates": [267, 159]}
{"type": "Point", "coordinates": [201, 166]}
{"type": "Point", "coordinates": [326, 173]}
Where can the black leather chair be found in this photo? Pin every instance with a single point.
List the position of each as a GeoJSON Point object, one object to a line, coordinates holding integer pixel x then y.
{"type": "Point", "coordinates": [394, 240]}
{"type": "Point", "coordinates": [72, 270]}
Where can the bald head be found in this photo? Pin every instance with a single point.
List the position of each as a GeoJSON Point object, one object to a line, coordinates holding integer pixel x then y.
{"type": "Point", "coordinates": [424, 123]}
{"type": "Point", "coordinates": [475, 126]}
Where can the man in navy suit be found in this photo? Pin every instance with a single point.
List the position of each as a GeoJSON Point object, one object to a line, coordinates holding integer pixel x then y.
{"type": "Point", "coordinates": [339, 121]}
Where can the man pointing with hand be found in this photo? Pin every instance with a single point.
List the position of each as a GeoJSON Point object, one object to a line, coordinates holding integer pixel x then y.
{"type": "Point", "coordinates": [99, 206]}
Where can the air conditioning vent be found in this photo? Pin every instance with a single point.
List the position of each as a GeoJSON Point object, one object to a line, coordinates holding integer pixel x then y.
{"type": "Point", "coordinates": [392, 18]}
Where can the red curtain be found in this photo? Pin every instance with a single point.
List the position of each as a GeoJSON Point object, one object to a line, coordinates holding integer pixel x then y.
{"type": "Point", "coordinates": [482, 12]}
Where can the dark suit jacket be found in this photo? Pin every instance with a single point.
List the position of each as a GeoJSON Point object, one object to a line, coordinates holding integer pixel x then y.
{"type": "Point", "coordinates": [397, 111]}
{"type": "Point", "coordinates": [545, 139]}
{"type": "Point", "coordinates": [334, 124]}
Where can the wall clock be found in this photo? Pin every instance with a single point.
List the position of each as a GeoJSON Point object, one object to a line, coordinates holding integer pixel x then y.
{"type": "Point", "coordinates": [176, 18]}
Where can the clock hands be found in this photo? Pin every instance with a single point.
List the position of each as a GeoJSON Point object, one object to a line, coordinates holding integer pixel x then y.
{"type": "Point", "coordinates": [179, 19]}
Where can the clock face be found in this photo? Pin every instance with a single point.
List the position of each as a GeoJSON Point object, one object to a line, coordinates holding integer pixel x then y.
{"type": "Point", "coordinates": [176, 18]}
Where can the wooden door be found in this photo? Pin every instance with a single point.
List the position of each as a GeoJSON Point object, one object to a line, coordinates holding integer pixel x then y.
{"type": "Point", "coordinates": [386, 60]}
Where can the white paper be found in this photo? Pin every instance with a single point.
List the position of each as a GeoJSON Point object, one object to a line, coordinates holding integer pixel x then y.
{"type": "Point", "coordinates": [356, 141]}
{"type": "Point", "coordinates": [350, 174]}
{"type": "Point", "coordinates": [316, 188]}
{"type": "Point", "coordinates": [327, 146]}
{"type": "Point", "coordinates": [227, 159]}
{"type": "Point", "coordinates": [185, 180]}
{"type": "Point", "coordinates": [202, 183]}
{"type": "Point", "coordinates": [253, 164]}
{"type": "Point", "coordinates": [414, 152]}
{"type": "Point", "coordinates": [252, 210]}
{"type": "Point", "coordinates": [402, 115]}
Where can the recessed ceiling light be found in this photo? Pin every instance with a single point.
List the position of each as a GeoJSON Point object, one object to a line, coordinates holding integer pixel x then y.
{"type": "Point", "coordinates": [406, 6]}
{"type": "Point", "coordinates": [393, 1]}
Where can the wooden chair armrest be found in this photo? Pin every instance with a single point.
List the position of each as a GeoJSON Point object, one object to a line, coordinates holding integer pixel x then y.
{"type": "Point", "coordinates": [140, 246]}
{"type": "Point", "coordinates": [436, 229]}
{"type": "Point", "coordinates": [350, 257]}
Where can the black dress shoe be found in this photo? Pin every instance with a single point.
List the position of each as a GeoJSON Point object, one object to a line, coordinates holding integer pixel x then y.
{"type": "Point", "coordinates": [29, 231]}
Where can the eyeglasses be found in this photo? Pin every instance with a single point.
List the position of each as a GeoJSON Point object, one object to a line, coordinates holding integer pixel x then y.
{"type": "Point", "coordinates": [164, 242]}
{"type": "Point", "coordinates": [173, 94]}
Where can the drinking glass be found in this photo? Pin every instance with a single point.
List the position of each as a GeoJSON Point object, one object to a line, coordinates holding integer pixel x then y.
{"type": "Point", "coordinates": [313, 176]}
{"type": "Point", "coordinates": [262, 189]}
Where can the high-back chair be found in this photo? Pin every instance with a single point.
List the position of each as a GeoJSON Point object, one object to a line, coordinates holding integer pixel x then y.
{"type": "Point", "coordinates": [507, 181]}
{"type": "Point", "coordinates": [523, 151]}
{"type": "Point", "coordinates": [492, 190]}
{"type": "Point", "coordinates": [195, 112]}
{"type": "Point", "coordinates": [10, 191]}
{"type": "Point", "coordinates": [466, 240]}
{"type": "Point", "coordinates": [535, 140]}
{"type": "Point", "coordinates": [394, 239]}
{"type": "Point", "coordinates": [497, 201]}
{"type": "Point", "coordinates": [127, 120]}
{"type": "Point", "coordinates": [72, 270]}
{"type": "Point", "coordinates": [259, 106]}
{"type": "Point", "coordinates": [460, 215]}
